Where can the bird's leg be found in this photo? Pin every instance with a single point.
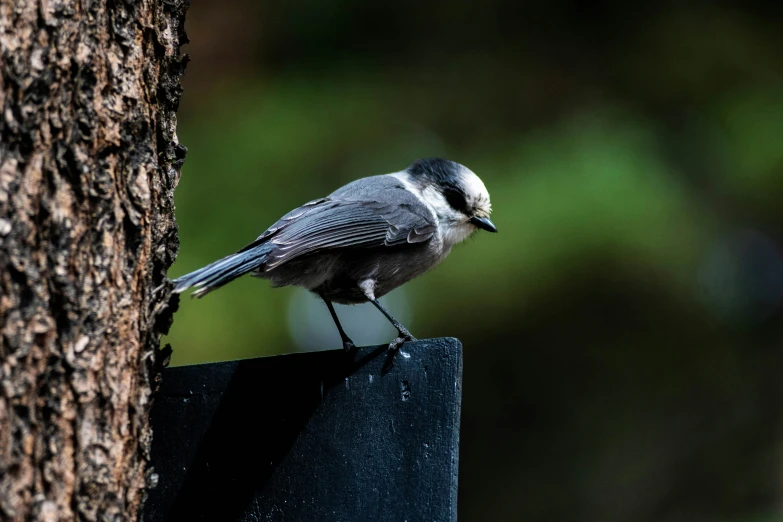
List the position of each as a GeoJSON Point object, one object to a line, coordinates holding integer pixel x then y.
{"type": "Point", "coordinates": [404, 336]}
{"type": "Point", "coordinates": [347, 343]}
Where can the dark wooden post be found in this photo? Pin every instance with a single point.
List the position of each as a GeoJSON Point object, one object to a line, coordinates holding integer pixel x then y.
{"type": "Point", "coordinates": [317, 436]}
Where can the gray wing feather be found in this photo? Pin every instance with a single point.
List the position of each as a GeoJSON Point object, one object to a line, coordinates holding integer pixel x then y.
{"type": "Point", "coordinates": [348, 224]}
{"type": "Point", "coordinates": [369, 212]}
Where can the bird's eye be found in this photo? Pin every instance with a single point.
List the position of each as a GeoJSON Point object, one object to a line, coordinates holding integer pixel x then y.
{"type": "Point", "coordinates": [456, 199]}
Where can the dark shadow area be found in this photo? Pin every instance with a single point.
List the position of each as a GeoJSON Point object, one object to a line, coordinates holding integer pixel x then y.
{"type": "Point", "coordinates": [622, 402]}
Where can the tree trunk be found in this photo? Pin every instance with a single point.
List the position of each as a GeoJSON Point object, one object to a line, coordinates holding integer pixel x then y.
{"type": "Point", "coordinates": [89, 159]}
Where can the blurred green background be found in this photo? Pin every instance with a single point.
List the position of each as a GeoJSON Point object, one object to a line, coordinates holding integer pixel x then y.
{"type": "Point", "coordinates": [623, 332]}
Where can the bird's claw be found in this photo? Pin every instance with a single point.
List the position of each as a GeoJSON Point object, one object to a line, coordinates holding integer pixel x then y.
{"type": "Point", "coordinates": [394, 347]}
{"type": "Point", "coordinates": [403, 338]}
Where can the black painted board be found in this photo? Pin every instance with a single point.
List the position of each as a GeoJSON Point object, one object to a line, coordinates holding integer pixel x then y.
{"type": "Point", "coordinates": [310, 437]}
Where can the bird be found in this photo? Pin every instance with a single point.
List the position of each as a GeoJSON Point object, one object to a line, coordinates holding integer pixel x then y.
{"type": "Point", "coordinates": [363, 240]}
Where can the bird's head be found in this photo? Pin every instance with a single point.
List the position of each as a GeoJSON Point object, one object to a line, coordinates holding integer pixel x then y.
{"type": "Point", "coordinates": [458, 196]}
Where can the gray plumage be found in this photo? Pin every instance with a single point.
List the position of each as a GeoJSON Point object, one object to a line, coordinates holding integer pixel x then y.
{"type": "Point", "coordinates": [364, 239]}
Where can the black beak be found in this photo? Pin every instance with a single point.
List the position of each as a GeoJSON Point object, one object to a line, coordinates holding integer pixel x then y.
{"type": "Point", "coordinates": [484, 224]}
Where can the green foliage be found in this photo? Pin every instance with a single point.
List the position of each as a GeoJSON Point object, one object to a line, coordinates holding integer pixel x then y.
{"type": "Point", "coordinates": [592, 185]}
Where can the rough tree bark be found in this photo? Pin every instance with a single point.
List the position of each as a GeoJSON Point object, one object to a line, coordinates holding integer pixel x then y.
{"type": "Point", "coordinates": [89, 159]}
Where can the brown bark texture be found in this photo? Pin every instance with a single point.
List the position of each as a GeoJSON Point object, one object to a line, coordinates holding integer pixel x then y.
{"type": "Point", "coordinates": [89, 159]}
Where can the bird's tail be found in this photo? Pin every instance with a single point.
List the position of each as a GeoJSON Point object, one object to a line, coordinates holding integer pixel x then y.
{"type": "Point", "coordinates": [223, 271]}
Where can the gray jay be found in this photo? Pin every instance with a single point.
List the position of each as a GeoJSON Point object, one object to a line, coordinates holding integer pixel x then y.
{"type": "Point", "coordinates": [363, 240]}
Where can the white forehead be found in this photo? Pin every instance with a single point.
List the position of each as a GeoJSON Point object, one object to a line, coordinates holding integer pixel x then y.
{"type": "Point", "coordinates": [474, 187]}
